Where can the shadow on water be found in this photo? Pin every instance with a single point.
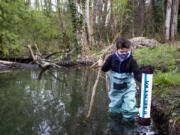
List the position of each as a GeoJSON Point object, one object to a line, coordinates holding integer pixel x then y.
{"type": "Point", "coordinates": [56, 104]}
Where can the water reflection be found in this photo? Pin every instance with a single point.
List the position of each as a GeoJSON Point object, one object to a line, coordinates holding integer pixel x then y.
{"type": "Point", "coordinates": [57, 104]}
{"type": "Point", "coordinates": [117, 126]}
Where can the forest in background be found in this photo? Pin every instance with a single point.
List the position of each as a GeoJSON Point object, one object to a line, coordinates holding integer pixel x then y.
{"type": "Point", "coordinates": [83, 24]}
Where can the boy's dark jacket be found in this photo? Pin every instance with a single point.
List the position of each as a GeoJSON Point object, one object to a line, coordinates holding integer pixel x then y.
{"type": "Point", "coordinates": [129, 65]}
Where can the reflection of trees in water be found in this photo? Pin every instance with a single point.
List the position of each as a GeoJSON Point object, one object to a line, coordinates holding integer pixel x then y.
{"type": "Point", "coordinates": [55, 104]}
{"type": "Point", "coordinates": [11, 97]}
{"type": "Point", "coordinates": [119, 127]}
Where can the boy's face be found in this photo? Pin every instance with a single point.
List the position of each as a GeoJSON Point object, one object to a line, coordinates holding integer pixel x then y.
{"type": "Point", "coordinates": [123, 50]}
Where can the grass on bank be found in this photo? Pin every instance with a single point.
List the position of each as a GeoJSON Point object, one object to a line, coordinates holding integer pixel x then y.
{"type": "Point", "coordinates": [166, 82]}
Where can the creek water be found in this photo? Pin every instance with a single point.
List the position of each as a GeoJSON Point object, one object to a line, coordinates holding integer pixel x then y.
{"type": "Point", "coordinates": [56, 103]}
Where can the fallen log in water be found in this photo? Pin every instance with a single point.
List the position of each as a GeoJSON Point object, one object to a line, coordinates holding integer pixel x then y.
{"type": "Point", "coordinates": [43, 63]}
{"type": "Point", "coordinates": [20, 59]}
{"type": "Point", "coordinates": [8, 65]}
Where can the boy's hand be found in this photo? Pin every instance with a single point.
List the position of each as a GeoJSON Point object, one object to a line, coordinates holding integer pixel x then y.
{"type": "Point", "coordinates": [147, 69]}
{"type": "Point", "coordinates": [100, 62]}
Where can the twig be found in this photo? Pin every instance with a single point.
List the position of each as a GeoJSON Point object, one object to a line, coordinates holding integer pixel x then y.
{"type": "Point", "coordinates": [52, 54]}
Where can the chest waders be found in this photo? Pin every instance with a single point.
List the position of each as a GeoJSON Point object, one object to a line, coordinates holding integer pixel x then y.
{"type": "Point", "coordinates": [122, 94]}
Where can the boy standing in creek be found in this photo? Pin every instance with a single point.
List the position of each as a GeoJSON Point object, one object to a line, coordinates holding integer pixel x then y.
{"type": "Point", "coordinates": [123, 69]}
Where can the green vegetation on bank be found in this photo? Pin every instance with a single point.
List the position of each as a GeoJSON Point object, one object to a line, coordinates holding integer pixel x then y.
{"type": "Point", "coordinates": [166, 83]}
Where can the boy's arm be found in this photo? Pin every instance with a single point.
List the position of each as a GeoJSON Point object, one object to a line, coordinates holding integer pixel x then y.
{"type": "Point", "coordinates": [136, 71]}
{"type": "Point", "coordinates": [107, 64]}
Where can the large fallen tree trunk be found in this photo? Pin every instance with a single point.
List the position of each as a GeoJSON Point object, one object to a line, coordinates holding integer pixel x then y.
{"type": "Point", "coordinates": [8, 65]}
{"type": "Point", "coordinates": [20, 59]}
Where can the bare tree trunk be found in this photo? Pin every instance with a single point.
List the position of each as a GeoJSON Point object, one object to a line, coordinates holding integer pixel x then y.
{"type": "Point", "coordinates": [50, 5]}
{"type": "Point", "coordinates": [133, 16]}
{"type": "Point", "coordinates": [91, 20]}
{"type": "Point", "coordinates": [29, 2]}
{"type": "Point", "coordinates": [46, 4]}
{"type": "Point", "coordinates": [113, 24]}
{"type": "Point", "coordinates": [83, 37]}
{"type": "Point", "coordinates": [175, 9]}
{"type": "Point", "coordinates": [108, 13]}
{"type": "Point", "coordinates": [176, 22]}
{"type": "Point", "coordinates": [41, 2]}
{"type": "Point", "coordinates": [61, 24]}
{"type": "Point", "coordinates": [80, 32]}
{"type": "Point", "coordinates": [87, 21]}
{"type": "Point", "coordinates": [74, 17]}
{"type": "Point", "coordinates": [142, 11]}
{"type": "Point", "coordinates": [94, 12]}
{"type": "Point", "coordinates": [84, 43]}
{"type": "Point", "coordinates": [58, 8]}
{"type": "Point", "coordinates": [152, 10]}
{"type": "Point", "coordinates": [37, 4]}
{"type": "Point", "coordinates": [105, 13]}
{"type": "Point", "coordinates": [168, 20]}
